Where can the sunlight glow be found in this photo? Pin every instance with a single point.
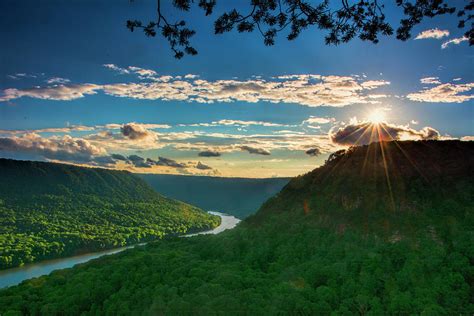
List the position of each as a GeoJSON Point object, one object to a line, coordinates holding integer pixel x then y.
{"type": "Point", "coordinates": [376, 117]}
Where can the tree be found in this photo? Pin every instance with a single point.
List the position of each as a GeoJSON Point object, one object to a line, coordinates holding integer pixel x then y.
{"type": "Point", "coordinates": [342, 20]}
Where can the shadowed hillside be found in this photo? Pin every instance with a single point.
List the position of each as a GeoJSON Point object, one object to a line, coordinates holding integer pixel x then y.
{"type": "Point", "coordinates": [342, 239]}
{"type": "Point", "coordinates": [236, 196]}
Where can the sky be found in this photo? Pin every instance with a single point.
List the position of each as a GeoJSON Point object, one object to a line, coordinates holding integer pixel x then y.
{"type": "Point", "coordinates": [76, 86]}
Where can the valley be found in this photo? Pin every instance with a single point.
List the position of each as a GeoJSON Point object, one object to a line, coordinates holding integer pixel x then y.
{"type": "Point", "coordinates": [52, 210]}
{"type": "Point", "coordinates": [315, 247]}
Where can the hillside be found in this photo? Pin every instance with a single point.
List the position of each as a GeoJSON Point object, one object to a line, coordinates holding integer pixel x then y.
{"type": "Point", "coordinates": [403, 187]}
{"type": "Point", "coordinates": [240, 197]}
{"type": "Point", "coordinates": [51, 210]}
{"type": "Point", "coordinates": [338, 240]}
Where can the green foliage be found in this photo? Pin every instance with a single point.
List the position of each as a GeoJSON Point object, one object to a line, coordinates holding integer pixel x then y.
{"type": "Point", "coordinates": [50, 210]}
{"type": "Point", "coordinates": [337, 248]}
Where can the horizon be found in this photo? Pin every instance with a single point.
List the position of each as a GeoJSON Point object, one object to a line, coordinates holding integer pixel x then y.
{"type": "Point", "coordinates": [94, 100]}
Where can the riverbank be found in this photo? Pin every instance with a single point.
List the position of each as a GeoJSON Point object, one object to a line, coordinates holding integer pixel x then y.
{"type": "Point", "coordinates": [15, 276]}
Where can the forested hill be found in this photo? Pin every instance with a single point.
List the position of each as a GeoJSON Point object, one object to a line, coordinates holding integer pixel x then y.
{"type": "Point", "coordinates": [50, 210]}
{"type": "Point", "coordinates": [240, 197]}
{"type": "Point", "coordinates": [375, 231]}
{"type": "Point", "coordinates": [24, 178]}
{"type": "Point", "coordinates": [393, 187]}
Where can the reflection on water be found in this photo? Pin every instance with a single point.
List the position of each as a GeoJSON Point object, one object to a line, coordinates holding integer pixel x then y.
{"type": "Point", "coordinates": [16, 275]}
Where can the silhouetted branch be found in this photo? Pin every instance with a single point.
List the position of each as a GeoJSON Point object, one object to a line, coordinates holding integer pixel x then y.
{"type": "Point", "coordinates": [364, 19]}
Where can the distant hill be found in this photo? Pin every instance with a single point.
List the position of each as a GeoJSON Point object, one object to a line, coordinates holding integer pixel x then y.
{"type": "Point", "coordinates": [50, 210]}
{"type": "Point", "coordinates": [384, 229]}
{"type": "Point", "coordinates": [240, 197]}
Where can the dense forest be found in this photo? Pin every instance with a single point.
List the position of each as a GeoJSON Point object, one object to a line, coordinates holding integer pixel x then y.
{"type": "Point", "coordinates": [239, 197]}
{"type": "Point", "coordinates": [381, 229]}
{"type": "Point", "coordinates": [51, 210]}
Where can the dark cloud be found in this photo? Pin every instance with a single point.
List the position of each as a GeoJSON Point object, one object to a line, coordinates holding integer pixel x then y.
{"type": "Point", "coordinates": [136, 158]}
{"type": "Point", "coordinates": [209, 153]}
{"type": "Point", "coordinates": [162, 161]}
{"type": "Point", "coordinates": [141, 164]}
{"type": "Point", "coordinates": [202, 166]}
{"type": "Point", "coordinates": [257, 151]}
{"type": "Point", "coordinates": [136, 131]}
{"type": "Point", "coordinates": [313, 152]}
{"type": "Point", "coordinates": [119, 157]}
{"type": "Point", "coordinates": [106, 161]}
{"type": "Point", "coordinates": [150, 161]}
{"type": "Point", "coordinates": [363, 133]}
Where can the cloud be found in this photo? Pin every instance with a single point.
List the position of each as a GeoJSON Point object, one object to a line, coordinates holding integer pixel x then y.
{"type": "Point", "coordinates": [57, 80]}
{"type": "Point", "coordinates": [313, 152]}
{"type": "Point", "coordinates": [244, 123]}
{"type": "Point", "coordinates": [454, 41]}
{"type": "Point", "coordinates": [18, 76]}
{"type": "Point", "coordinates": [134, 158]}
{"type": "Point", "coordinates": [308, 90]}
{"type": "Point", "coordinates": [430, 80]}
{"type": "Point", "coordinates": [445, 93]}
{"type": "Point", "coordinates": [202, 166]}
{"type": "Point", "coordinates": [68, 129]}
{"type": "Point", "coordinates": [432, 33]}
{"type": "Point", "coordinates": [64, 148]}
{"type": "Point", "coordinates": [209, 153]}
{"type": "Point", "coordinates": [162, 161]}
{"type": "Point", "coordinates": [57, 92]}
{"type": "Point", "coordinates": [318, 120]}
{"type": "Point", "coordinates": [141, 162]}
{"type": "Point", "coordinates": [137, 131]}
{"type": "Point", "coordinates": [142, 73]}
{"type": "Point", "coordinates": [363, 133]}
{"type": "Point", "coordinates": [257, 151]}
{"type": "Point", "coordinates": [116, 68]}
{"type": "Point", "coordinates": [119, 157]}
{"type": "Point", "coordinates": [467, 138]}
{"type": "Point", "coordinates": [138, 161]}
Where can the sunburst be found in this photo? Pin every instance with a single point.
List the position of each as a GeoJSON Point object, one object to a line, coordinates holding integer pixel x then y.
{"type": "Point", "coordinates": [376, 117]}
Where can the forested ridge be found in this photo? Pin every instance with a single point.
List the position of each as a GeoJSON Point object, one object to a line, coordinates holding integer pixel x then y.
{"type": "Point", "coordinates": [342, 239]}
{"type": "Point", "coordinates": [52, 210]}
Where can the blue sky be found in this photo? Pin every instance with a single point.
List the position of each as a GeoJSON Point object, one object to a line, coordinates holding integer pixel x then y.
{"type": "Point", "coordinates": [59, 102]}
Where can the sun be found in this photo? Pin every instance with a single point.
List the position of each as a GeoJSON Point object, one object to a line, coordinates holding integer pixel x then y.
{"type": "Point", "coordinates": [376, 117]}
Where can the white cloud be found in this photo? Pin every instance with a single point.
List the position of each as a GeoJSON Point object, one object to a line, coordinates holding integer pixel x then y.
{"type": "Point", "coordinates": [430, 80]}
{"type": "Point", "coordinates": [445, 93]}
{"type": "Point", "coordinates": [244, 123]}
{"type": "Point", "coordinates": [58, 148]}
{"type": "Point", "coordinates": [60, 92]}
{"type": "Point", "coordinates": [21, 75]}
{"type": "Point", "coordinates": [117, 68]}
{"type": "Point", "coordinates": [308, 90]}
{"type": "Point", "coordinates": [454, 41]}
{"type": "Point", "coordinates": [68, 129]}
{"type": "Point", "coordinates": [318, 120]}
{"type": "Point", "coordinates": [432, 33]}
{"type": "Point", "coordinates": [57, 80]}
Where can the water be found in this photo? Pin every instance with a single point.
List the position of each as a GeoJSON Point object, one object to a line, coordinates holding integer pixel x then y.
{"type": "Point", "coordinates": [17, 275]}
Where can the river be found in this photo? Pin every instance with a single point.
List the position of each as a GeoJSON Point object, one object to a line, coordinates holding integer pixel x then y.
{"type": "Point", "coordinates": [15, 276]}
